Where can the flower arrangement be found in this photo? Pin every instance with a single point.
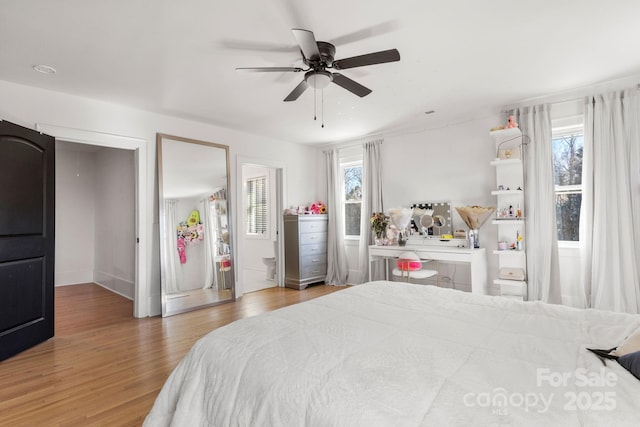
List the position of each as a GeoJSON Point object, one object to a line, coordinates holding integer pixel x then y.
{"type": "Point", "coordinates": [318, 208]}
{"type": "Point", "coordinates": [379, 222]}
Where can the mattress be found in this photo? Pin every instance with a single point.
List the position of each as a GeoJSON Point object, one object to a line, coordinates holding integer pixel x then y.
{"type": "Point", "coordinates": [396, 354]}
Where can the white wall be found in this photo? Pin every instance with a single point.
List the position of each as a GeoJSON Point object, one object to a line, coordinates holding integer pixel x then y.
{"type": "Point", "coordinates": [450, 163]}
{"type": "Point", "coordinates": [75, 217]}
{"type": "Point", "coordinates": [115, 234]}
{"type": "Point", "coordinates": [29, 106]}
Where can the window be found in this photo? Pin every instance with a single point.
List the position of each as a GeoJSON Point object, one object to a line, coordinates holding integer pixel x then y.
{"type": "Point", "coordinates": [257, 210]}
{"type": "Point", "coordinates": [352, 188]}
{"type": "Point", "coordinates": [568, 145]}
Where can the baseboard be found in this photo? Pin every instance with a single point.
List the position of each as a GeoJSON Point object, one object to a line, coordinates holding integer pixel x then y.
{"type": "Point", "coordinates": [113, 290]}
{"type": "Point", "coordinates": [118, 285]}
{"type": "Point", "coordinates": [65, 278]}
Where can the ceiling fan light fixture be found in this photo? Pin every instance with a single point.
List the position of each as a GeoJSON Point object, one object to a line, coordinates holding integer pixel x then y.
{"type": "Point", "coordinates": [318, 79]}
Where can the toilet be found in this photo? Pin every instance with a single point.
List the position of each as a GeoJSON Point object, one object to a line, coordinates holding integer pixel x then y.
{"type": "Point", "coordinates": [271, 263]}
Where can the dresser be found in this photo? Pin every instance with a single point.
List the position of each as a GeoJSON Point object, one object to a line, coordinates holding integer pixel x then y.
{"type": "Point", "coordinates": [305, 250]}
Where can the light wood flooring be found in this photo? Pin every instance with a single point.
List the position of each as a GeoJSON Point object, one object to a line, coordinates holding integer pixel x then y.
{"type": "Point", "coordinates": [105, 367]}
{"type": "Point", "coordinates": [179, 303]}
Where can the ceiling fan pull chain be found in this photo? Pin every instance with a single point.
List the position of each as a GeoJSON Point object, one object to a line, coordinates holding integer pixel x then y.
{"type": "Point", "coordinates": [322, 111]}
{"type": "Point", "coordinates": [315, 104]}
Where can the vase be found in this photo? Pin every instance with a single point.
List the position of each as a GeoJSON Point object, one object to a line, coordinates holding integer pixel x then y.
{"type": "Point", "coordinates": [474, 238]}
{"type": "Point", "coordinates": [401, 239]}
{"type": "Point", "coordinates": [379, 239]}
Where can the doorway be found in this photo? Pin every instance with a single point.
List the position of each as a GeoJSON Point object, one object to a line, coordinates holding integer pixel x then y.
{"type": "Point", "coordinates": [95, 217]}
{"type": "Point", "coordinates": [260, 204]}
{"type": "Point", "coordinates": [143, 300]}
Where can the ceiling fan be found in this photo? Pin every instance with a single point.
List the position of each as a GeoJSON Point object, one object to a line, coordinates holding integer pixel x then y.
{"type": "Point", "coordinates": [319, 57]}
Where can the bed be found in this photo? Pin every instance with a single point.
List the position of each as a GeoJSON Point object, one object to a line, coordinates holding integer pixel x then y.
{"type": "Point", "coordinates": [396, 354]}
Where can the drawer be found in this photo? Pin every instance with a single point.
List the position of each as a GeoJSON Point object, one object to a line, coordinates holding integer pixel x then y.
{"type": "Point", "coordinates": [313, 249]}
{"type": "Point", "coordinates": [309, 238]}
{"type": "Point", "coordinates": [312, 260]}
{"type": "Point", "coordinates": [313, 271]}
{"type": "Point", "coordinates": [313, 227]}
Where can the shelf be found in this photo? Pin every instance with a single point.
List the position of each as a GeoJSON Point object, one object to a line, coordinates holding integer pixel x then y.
{"type": "Point", "coordinates": [510, 252]}
{"type": "Point", "coordinates": [502, 134]}
{"type": "Point", "coordinates": [509, 174]}
{"type": "Point", "coordinates": [503, 162]}
{"type": "Point", "coordinates": [506, 282]}
{"type": "Point", "coordinates": [506, 192]}
{"type": "Point", "coordinates": [508, 221]}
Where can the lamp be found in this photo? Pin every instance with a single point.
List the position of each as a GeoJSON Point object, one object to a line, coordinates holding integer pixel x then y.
{"type": "Point", "coordinates": [475, 217]}
{"type": "Point", "coordinates": [401, 217]}
{"type": "Point", "coordinates": [318, 79]}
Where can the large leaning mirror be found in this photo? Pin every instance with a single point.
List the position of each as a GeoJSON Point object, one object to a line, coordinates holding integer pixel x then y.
{"type": "Point", "coordinates": [196, 253]}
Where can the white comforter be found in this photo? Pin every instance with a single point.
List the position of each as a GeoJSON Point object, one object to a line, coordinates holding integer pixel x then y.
{"type": "Point", "coordinates": [392, 354]}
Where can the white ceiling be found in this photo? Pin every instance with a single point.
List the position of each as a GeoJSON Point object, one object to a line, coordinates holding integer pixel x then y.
{"type": "Point", "coordinates": [459, 58]}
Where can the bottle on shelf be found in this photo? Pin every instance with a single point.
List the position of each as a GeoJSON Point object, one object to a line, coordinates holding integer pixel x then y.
{"type": "Point", "coordinates": [518, 241]}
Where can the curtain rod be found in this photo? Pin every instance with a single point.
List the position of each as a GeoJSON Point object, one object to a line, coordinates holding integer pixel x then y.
{"type": "Point", "coordinates": [344, 145]}
{"type": "Point", "coordinates": [575, 97]}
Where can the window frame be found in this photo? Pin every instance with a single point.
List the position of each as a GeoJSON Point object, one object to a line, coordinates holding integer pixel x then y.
{"type": "Point", "coordinates": [267, 217]}
{"type": "Point", "coordinates": [559, 132]}
{"type": "Point", "coordinates": [344, 202]}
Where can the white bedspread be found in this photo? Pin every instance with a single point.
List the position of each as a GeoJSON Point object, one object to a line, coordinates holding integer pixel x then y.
{"type": "Point", "coordinates": [393, 354]}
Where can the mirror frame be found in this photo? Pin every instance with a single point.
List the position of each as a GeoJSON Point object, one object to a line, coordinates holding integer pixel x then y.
{"type": "Point", "coordinates": [162, 221]}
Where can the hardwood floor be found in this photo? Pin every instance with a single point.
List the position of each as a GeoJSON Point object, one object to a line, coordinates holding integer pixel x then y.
{"type": "Point", "coordinates": [105, 367]}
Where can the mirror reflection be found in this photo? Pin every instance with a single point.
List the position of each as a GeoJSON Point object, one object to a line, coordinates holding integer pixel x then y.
{"type": "Point", "coordinates": [431, 218]}
{"type": "Point", "coordinates": [195, 231]}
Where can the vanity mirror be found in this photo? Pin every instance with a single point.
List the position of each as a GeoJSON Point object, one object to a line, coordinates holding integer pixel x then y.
{"type": "Point", "coordinates": [196, 251]}
{"type": "Point", "coordinates": [431, 218]}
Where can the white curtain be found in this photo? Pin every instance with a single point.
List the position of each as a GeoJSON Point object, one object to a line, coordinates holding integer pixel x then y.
{"type": "Point", "coordinates": [371, 202]}
{"type": "Point", "coordinates": [171, 261]}
{"type": "Point", "coordinates": [210, 241]}
{"type": "Point", "coordinates": [610, 215]}
{"type": "Point", "coordinates": [541, 232]}
{"type": "Point", "coordinates": [337, 268]}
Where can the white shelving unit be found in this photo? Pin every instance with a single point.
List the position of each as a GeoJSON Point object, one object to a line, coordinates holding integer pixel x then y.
{"type": "Point", "coordinates": [510, 192]}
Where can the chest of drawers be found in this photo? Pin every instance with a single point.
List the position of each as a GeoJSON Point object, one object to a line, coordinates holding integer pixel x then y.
{"type": "Point", "coordinates": [305, 250]}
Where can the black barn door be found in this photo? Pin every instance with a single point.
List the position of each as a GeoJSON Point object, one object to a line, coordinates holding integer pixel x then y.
{"type": "Point", "coordinates": [27, 199]}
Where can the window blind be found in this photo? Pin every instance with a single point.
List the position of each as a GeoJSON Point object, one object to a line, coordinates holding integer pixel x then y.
{"type": "Point", "coordinates": [257, 213]}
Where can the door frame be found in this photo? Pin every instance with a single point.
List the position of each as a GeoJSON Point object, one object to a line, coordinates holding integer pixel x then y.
{"type": "Point", "coordinates": [142, 300]}
{"type": "Point", "coordinates": [281, 202]}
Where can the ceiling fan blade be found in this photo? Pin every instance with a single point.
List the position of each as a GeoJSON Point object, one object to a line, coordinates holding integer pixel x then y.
{"type": "Point", "coordinates": [350, 85]}
{"type": "Point", "coordinates": [307, 42]}
{"type": "Point", "coordinates": [257, 46]}
{"type": "Point", "coordinates": [381, 57]}
{"type": "Point", "coordinates": [374, 30]}
{"type": "Point", "coordinates": [297, 91]}
{"type": "Point", "coordinates": [269, 69]}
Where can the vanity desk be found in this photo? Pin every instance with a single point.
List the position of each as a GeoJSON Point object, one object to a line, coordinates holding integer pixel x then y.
{"type": "Point", "coordinates": [434, 249]}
